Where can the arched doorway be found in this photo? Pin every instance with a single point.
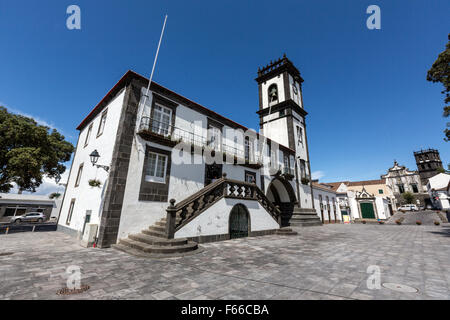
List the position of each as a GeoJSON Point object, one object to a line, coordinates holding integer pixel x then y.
{"type": "Point", "coordinates": [239, 222]}
{"type": "Point", "coordinates": [281, 193]}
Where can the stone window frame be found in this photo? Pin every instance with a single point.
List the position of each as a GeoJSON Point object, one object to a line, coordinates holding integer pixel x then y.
{"type": "Point", "coordinates": [155, 191]}
{"type": "Point", "coordinates": [155, 178]}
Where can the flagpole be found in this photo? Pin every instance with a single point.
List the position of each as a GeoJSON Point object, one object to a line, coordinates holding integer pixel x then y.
{"type": "Point", "coordinates": [154, 63]}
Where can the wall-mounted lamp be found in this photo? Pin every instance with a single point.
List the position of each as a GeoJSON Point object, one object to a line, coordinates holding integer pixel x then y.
{"type": "Point", "coordinates": [94, 158]}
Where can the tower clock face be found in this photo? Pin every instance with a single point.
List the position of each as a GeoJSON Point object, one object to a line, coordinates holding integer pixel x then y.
{"type": "Point", "coordinates": [294, 88]}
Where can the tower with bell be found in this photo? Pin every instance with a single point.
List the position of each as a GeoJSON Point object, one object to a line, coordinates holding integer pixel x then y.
{"type": "Point", "coordinates": [282, 119]}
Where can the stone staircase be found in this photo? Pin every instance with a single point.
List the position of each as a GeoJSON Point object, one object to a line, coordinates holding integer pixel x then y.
{"type": "Point", "coordinates": [153, 242]}
{"type": "Point", "coordinates": [286, 232]}
{"type": "Point", "coordinates": [304, 217]}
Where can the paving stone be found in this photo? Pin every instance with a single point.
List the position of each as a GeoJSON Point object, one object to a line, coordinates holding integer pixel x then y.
{"type": "Point", "coordinates": [326, 262]}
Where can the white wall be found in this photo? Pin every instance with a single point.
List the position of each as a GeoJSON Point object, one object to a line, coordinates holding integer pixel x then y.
{"type": "Point", "coordinates": [90, 198]}
{"type": "Point", "coordinates": [214, 220]}
{"type": "Point", "coordinates": [332, 199]}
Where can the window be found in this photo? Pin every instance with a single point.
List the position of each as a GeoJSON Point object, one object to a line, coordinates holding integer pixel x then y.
{"type": "Point", "coordinates": [299, 135]}
{"type": "Point", "coordinates": [10, 212]}
{"type": "Point", "coordinates": [414, 188]}
{"type": "Point", "coordinates": [156, 168]}
{"type": "Point", "coordinates": [69, 215]}
{"type": "Point", "coordinates": [101, 126]}
{"type": "Point", "coordinates": [401, 188]}
{"type": "Point", "coordinates": [250, 177]}
{"type": "Point", "coordinates": [286, 163]}
{"type": "Point", "coordinates": [161, 121]}
{"type": "Point", "coordinates": [247, 149]}
{"type": "Point", "coordinates": [88, 135]}
{"type": "Point", "coordinates": [380, 191]}
{"type": "Point", "coordinates": [273, 94]}
{"type": "Point", "coordinates": [302, 168]}
{"type": "Point", "coordinates": [320, 201]}
{"type": "Point", "coordinates": [80, 171]}
{"type": "Point", "coordinates": [214, 135]}
{"type": "Point", "coordinates": [328, 203]}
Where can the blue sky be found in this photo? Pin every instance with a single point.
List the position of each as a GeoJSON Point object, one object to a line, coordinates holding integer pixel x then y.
{"type": "Point", "coordinates": [365, 90]}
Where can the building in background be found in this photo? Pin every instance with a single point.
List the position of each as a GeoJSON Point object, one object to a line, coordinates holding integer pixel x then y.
{"type": "Point", "coordinates": [12, 205]}
{"type": "Point", "coordinates": [326, 203]}
{"type": "Point", "coordinates": [399, 180]}
{"type": "Point", "coordinates": [369, 199]}
{"type": "Point", "coordinates": [428, 163]}
{"type": "Point", "coordinates": [438, 189]}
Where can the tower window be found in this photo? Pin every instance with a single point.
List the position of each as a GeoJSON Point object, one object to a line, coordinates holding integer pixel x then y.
{"type": "Point", "coordinates": [273, 94]}
{"type": "Point", "coordinates": [299, 135]}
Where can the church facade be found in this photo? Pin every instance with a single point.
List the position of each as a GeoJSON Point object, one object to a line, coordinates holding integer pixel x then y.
{"type": "Point", "coordinates": [155, 159]}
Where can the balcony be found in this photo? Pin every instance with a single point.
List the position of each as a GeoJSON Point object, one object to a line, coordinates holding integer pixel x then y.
{"type": "Point", "coordinates": [166, 134]}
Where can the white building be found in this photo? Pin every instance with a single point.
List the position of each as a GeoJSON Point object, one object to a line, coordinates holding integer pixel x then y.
{"type": "Point", "coordinates": [326, 203]}
{"type": "Point", "coordinates": [369, 199]}
{"type": "Point", "coordinates": [438, 189]}
{"type": "Point", "coordinates": [164, 146]}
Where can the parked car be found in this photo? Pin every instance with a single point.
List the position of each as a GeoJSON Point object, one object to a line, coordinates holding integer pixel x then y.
{"type": "Point", "coordinates": [29, 217]}
{"type": "Point", "coordinates": [408, 207]}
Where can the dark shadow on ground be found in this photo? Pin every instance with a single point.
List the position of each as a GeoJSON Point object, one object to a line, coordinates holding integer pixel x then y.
{"type": "Point", "coordinates": [445, 231]}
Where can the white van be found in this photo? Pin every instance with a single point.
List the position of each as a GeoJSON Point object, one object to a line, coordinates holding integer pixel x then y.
{"type": "Point", "coordinates": [408, 207]}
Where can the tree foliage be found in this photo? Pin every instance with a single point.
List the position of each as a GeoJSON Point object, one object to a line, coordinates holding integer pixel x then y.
{"type": "Point", "coordinates": [408, 197]}
{"type": "Point", "coordinates": [440, 72]}
{"type": "Point", "coordinates": [28, 151]}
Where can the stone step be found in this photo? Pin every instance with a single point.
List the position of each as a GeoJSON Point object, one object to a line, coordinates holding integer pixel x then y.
{"type": "Point", "coordinates": [154, 233]}
{"type": "Point", "coordinates": [157, 228]}
{"type": "Point", "coordinates": [286, 232]}
{"type": "Point", "coordinates": [304, 209]}
{"type": "Point", "coordinates": [157, 240]}
{"type": "Point", "coordinates": [147, 248]}
{"type": "Point", "coordinates": [304, 216]}
{"type": "Point", "coordinates": [305, 223]}
{"type": "Point", "coordinates": [160, 223]}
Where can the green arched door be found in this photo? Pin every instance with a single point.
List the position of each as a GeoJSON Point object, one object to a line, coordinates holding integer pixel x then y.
{"type": "Point", "coordinates": [239, 222]}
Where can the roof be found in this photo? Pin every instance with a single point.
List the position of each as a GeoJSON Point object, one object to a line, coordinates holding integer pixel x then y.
{"type": "Point", "coordinates": [12, 198]}
{"type": "Point", "coordinates": [366, 182]}
{"type": "Point", "coordinates": [335, 185]}
{"type": "Point", "coordinates": [322, 186]}
{"type": "Point", "coordinates": [130, 75]}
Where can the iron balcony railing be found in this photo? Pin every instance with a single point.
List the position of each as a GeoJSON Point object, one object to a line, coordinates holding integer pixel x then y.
{"type": "Point", "coordinates": [180, 135]}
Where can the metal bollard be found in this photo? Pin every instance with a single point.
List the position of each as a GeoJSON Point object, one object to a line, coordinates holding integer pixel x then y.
{"type": "Point", "coordinates": [33, 228]}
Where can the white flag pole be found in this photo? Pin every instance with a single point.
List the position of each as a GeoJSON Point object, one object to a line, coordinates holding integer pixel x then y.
{"type": "Point", "coordinates": [154, 63]}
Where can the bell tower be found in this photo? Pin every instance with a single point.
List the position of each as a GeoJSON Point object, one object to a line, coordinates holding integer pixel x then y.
{"type": "Point", "coordinates": [282, 117]}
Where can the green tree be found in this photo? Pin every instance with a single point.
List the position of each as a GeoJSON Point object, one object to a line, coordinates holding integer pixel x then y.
{"type": "Point", "coordinates": [440, 72]}
{"type": "Point", "coordinates": [28, 151]}
{"type": "Point", "coordinates": [408, 197]}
